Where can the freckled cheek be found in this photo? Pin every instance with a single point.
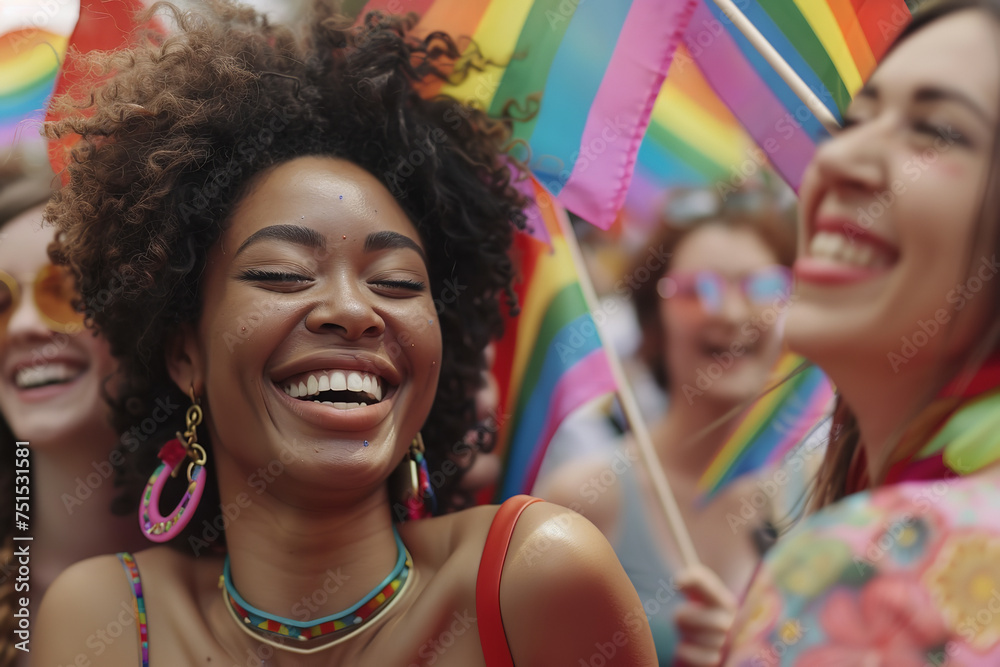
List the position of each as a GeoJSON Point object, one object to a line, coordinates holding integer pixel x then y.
{"type": "Point", "coordinates": [239, 331]}
{"type": "Point", "coordinates": [419, 338]}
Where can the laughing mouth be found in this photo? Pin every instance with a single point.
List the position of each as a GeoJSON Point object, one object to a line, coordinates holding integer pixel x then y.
{"type": "Point", "coordinates": [33, 377]}
{"type": "Point", "coordinates": [837, 244]}
{"type": "Point", "coordinates": [342, 389]}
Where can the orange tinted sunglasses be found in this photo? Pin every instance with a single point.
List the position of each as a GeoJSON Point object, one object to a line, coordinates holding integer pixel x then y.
{"type": "Point", "coordinates": [53, 290]}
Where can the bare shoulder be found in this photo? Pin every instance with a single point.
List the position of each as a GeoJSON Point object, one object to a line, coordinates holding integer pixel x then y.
{"type": "Point", "coordinates": [88, 617]}
{"type": "Point", "coordinates": [564, 596]}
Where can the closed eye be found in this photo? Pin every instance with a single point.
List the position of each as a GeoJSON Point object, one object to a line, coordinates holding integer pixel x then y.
{"type": "Point", "coordinates": [258, 275]}
{"type": "Point", "coordinates": [411, 285]}
{"type": "Point", "coordinates": [939, 131]}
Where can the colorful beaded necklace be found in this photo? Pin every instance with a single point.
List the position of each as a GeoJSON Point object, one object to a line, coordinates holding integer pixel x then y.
{"type": "Point", "coordinates": [276, 631]}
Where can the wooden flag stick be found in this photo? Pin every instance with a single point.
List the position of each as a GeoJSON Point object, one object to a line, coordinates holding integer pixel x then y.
{"type": "Point", "coordinates": [774, 59]}
{"type": "Point", "coordinates": [631, 407]}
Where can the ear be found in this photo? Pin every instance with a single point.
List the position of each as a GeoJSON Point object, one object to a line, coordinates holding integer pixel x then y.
{"type": "Point", "coordinates": [184, 359]}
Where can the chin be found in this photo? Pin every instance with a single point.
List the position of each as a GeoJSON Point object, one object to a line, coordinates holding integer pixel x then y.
{"type": "Point", "coordinates": [50, 432]}
{"type": "Point", "coordinates": [813, 334]}
{"type": "Point", "coordinates": [734, 395]}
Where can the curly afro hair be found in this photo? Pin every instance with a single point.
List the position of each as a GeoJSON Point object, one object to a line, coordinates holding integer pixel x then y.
{"type": "Point", "coordinates": [174, 134]}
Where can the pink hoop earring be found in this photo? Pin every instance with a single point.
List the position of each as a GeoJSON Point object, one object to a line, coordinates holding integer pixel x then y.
{"type": "Point", "coordinates": [155, 526]}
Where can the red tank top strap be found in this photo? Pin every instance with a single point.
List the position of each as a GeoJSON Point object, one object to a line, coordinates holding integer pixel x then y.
{"type": "Point", "coordinates": [491, 632]}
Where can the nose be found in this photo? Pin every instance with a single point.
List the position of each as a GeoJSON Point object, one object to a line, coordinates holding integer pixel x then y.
{"type": "Point", "coordinates": [346, 307]}
{"type": "Point", "coordinates": [853, 158]}
{"type": "Point", "coordinates": [25, 323]}
{"type": "Point", "coordinates": [734, 309]}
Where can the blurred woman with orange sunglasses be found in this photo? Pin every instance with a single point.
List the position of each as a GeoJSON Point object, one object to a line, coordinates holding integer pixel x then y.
{"type": "Point", "coordinates": [53, 375]}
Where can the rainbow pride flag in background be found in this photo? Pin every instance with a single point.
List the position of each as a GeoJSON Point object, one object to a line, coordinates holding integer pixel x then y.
{"type": "Point", "coordinates": [599, 66]}
{"type": "Point", "coordinates": [33, 41]}
{"type": "Point", "coordinates": [693, 140]}
{"type": "Point", "coordinates": [772, 426]}
{"type": "Point", "coordinates": [550, 360]}
{"type": "Point", "coordinates": [833, 45]}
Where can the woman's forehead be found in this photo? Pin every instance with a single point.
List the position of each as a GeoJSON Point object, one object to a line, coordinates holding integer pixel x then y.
{"type": "Point", "coordinates": [959, 52]}
{"type": "Point", "coordinates": [329, 195]}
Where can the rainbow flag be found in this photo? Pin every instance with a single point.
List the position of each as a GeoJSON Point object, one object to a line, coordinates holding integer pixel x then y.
{"type": "Point", "coordinates": [103, 25]}
{"type": "Point", "coordinates": [550, 360]}
{"type": "Point", "coordinates": [772, 426]}
{"type": "Point", "coordinates": [693, 140]}
{"type": "Point", "coordinates": [599, 66]}
{"type": "Point", "coordinates": [833, 45]}
{"type": "Point", "coordinates": [33, 41]}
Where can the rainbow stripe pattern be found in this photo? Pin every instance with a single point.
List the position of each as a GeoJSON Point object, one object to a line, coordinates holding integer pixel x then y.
{"type": "Point", "coordinates": [693, 140]}
{"type": "Point", "coordinates": [550, 360]}
{"type": "Point", "coordinates": [599, 64]}
{"type": "Point", "coordinates": [132, 572]}
{"type": "Point", "coordinates": [33, 41]}
{"type": "Point", "coordinates": [833, 45]}
{"type": "Point", "coordinates": [328, 626]}
{"type": "Point", "coordinates": [772, 426]}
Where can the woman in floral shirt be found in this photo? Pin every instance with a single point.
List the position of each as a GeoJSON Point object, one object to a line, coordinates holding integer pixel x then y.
{"type": "Point", "coordinates": [896, 300]}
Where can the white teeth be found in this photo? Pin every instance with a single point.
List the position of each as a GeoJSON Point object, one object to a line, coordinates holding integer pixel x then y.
{"type": "Point", "coordinates": [838, 248]}
{"type": "Point", "coordinates": [34, 376]}
{"type": "Point", "coordinates": [338, 381]}
{"type": "Point", "coordinates": [837, 245]}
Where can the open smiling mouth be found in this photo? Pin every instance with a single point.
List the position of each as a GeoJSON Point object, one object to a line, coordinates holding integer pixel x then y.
{"type": "Point", "coordinates": [33, 377]}
{"type": "Point", "coordinates": [344, 390]}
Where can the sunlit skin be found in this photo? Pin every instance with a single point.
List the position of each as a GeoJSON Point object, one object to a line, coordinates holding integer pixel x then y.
{"type": "Point", "coordinates": [339, 304]}
{"type": "Point", "coordinates": [919, 136]}
{"type": "Point", "coordinates": [304, 280]}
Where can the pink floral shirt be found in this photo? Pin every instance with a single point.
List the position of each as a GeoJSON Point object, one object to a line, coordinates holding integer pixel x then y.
{"type": "Point", "coordinates": [904, 576]}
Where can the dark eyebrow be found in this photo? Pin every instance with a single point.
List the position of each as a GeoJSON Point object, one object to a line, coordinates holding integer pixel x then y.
{"type": "Point", "coordinates": [388, 240]}
{"type": "Point", "coordinates": [290, 233]}
{"type": "Point", "coordinates": [934, 94]}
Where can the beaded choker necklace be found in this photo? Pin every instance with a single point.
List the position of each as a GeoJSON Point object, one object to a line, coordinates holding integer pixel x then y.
{"type": "Point", "coordinates": [302, 636]}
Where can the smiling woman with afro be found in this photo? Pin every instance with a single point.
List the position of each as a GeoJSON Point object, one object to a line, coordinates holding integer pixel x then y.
{"type": "Point", "coordinates": [253, 215]}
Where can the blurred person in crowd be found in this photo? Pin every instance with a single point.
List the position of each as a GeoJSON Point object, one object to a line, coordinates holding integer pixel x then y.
{"type": "Point", "coordinates": [719, 265]}
{"type": "Point", "coordinates": [54, 376]}
{"type": "Point", "coordinates": [896, 298]}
